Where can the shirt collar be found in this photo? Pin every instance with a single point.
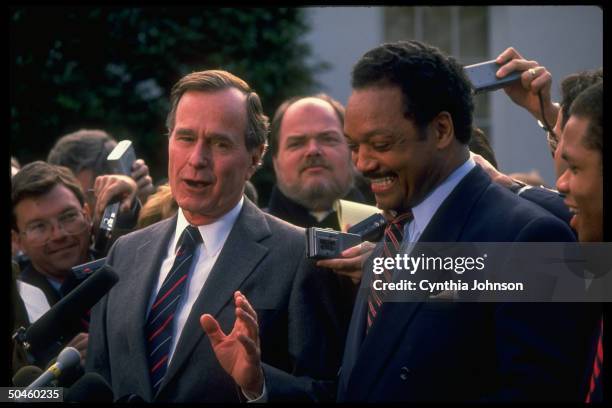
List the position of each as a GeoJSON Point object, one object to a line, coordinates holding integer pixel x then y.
{"type": "Point", "coordinates": [213, 235]}
{"type": "Point", "coordinates": [424, 212]}
{"type": "Point", "coordinates": [320, 215]}
{"type": "Point", "coordinates": [55, 283]}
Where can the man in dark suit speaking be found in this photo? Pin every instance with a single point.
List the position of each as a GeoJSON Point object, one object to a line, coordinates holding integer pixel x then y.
{"type": "Point", "coordinates": [146, 337]}
{"type": "Point", "coordinates": [408, 124]}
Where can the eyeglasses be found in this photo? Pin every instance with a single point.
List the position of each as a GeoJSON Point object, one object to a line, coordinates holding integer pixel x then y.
{"type": "Point", "coordinates": [72, 222]}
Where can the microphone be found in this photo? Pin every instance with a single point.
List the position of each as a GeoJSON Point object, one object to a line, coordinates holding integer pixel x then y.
{"type": "Point", "coordinates": [59, 324]}
{"type": "Point", "coordinates": [26, 375]}
{"type": "Point", "coordinates": [69, 376]}
{"type": "Point", "coordinates": [69, 357]}
{"type": "Point", "coordinates": [91, 387]}
{"type": "Point", "coordinates": [79, 273]}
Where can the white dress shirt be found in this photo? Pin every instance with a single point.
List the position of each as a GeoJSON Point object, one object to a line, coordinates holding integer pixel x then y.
{"type": "Point", "coordinates": [34, 300]}
{"type": "Point", "coordinates": [213, 238]}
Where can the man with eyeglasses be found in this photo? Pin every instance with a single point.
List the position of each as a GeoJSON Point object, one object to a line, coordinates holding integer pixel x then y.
{"type": "Point", "coordinates": [85, 153]}
{"type": "Point", "coordinates": [52, 225]}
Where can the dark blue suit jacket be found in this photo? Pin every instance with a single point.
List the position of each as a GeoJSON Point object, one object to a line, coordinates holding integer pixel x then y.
{"type": "Point", "coordinates": [550, 200]}
{"type": "Point", "coordinates": [451, 351]}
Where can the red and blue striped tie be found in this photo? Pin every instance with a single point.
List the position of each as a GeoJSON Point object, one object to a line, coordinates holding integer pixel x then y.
{"type": "Point", "coordinates": [394, 234]}
{"type": "Point", "coordinates": [595, 386]}
{"type": "Point", "coordinates": [161, 315]}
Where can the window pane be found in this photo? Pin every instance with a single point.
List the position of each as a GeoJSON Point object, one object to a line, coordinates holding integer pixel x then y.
{"type": "Point", "coordinates": [437, 27]}
{"type": "Point", "coordinates": [472, 30]}
{"type": "Point", "coordinates": [399, 23]}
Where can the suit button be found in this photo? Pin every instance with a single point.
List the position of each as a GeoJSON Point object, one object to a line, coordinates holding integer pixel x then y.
{"type": "Point", "coordinates": [404, 371]}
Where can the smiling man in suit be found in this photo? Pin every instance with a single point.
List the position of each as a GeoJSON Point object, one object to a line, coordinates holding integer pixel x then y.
{"type": "Point", "coordinates": [408, 123]}
{"type": "Point", "coordinates": [148, 340]}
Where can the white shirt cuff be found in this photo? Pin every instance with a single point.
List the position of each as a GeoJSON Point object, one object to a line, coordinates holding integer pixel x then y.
{"type": "Point", "coordinates": [262, 398]}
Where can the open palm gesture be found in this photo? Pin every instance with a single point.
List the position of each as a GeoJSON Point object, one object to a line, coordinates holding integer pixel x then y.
{"type": "Point", "coordinates": [238, 353]}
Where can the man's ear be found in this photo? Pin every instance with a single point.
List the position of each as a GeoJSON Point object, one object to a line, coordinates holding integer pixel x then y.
{"type": "Point", "coordinates": [87, 210]}
{"type": "Point", "coordinates": [443, 129]}
{"type": "Point", "coordinates": [15, 242]}
{"type": "Point", "coordinates": [256, 156]}
{"type": "Point", "coordinates": [275, 164]}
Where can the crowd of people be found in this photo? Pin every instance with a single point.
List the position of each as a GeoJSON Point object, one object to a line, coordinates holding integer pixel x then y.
{"type": "Point", "coordinates": [217, 300]}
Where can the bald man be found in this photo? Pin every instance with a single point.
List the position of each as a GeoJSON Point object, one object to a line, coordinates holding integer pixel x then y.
{"type": "Point", "coordinates": [312, 162]}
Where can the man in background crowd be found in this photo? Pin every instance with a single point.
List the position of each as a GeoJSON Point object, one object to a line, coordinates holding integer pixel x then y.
{"type": "Point", "coordinates": [51, 223]}
{"type": "Point", "coordinates": [582, 149]}
{"type": "Point", "coordinates": [582, 184]}
{"type": "Point", "coordinates": [85, 153]}
{"type": "Point", "coordinates": [311, 161]}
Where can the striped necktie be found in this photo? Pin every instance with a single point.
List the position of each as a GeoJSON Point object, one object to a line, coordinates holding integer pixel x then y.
{"type": "Point", "coordinates": [394, 234]}
{"type": "Point", "coordinates": [161, 315]}
{"type": "Point", "coordinates": [595, 382]}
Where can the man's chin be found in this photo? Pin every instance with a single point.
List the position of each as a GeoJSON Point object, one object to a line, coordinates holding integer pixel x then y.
{"type": "Point", "coordinates": [315, 183]}
{"type": "Point", "coordinates": [59, 270]}
{"type": "Point", "coordinates": [385, 202]}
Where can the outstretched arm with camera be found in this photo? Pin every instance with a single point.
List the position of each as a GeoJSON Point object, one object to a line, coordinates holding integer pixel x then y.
{"type": "Point", "coordinates": [144, 182]}
{"type": "Point", "coordinates": [116, 212]}
{"type": "Point", "coordinates": [114, 187]}
{"type": "Point", "coordinates": [534, 79]}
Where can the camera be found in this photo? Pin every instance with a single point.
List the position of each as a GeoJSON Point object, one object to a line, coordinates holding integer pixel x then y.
{"type": "Point", "coordinates": [370, 229]}
{"type": "Point", "coordinates": [483, 79]}
{"type": "Point", "coordinates": [105, 231]}
{"type": "Point", "coordinates": [79, 273]}
{"type": "Point", "coordinates": [120, 160]}
{"type": "Point", "coordinates": [325, 243]}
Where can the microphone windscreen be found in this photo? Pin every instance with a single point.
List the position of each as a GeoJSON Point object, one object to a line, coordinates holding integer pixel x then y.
{"type": "Point", "coordinates": [62, 321]}
{"type": "Point", "coordinates": [26, 376]}
{"type": "Point", "coordinates": [91, 387]}
{"type": "Point", "coordinates": [69, 357]}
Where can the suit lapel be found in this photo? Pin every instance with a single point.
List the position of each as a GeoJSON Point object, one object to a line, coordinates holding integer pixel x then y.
{"type": "Point", "coordinates": [238, 258]}
{"type": "Point", "coordinates": [357, 327]}
{"type": "Point", "coordinates": [140, 282]}
{"type": "Point", "coordinates": [450, 220]}
{"type": "Point", "coordinates": [394, 317]}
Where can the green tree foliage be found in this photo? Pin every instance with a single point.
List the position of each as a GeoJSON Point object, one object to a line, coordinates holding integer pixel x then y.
{"type": "Point", "coordinates": [113, 68]}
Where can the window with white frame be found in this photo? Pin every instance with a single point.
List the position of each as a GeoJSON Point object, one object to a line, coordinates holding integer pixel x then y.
{"type": "Point", "coordinates": [460, 31]}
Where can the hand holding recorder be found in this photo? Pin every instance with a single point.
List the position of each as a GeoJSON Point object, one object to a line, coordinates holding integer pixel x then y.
{"type": "Point", "coordinates": [534, 79]}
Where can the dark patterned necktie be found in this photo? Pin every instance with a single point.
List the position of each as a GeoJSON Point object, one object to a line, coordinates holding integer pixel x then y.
{"type": "Point", "coordinates": [595, 383]}
{"type": "Point", "coordinates": [394, 234]}
{"type": "Point", "coordinates": [161, 316]}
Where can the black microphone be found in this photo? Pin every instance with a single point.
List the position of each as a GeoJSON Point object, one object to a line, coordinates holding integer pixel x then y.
{"type": "Point", "coordinates": [62, 322]}
{"type": "Point", "coordinates": [26, 375]}
{"type": "Point", "coordinates": [79, 273]}
{"type": "Point", "coordinates": [91, 387]}
{"type": "Point", "coordinates": [68, 358]}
